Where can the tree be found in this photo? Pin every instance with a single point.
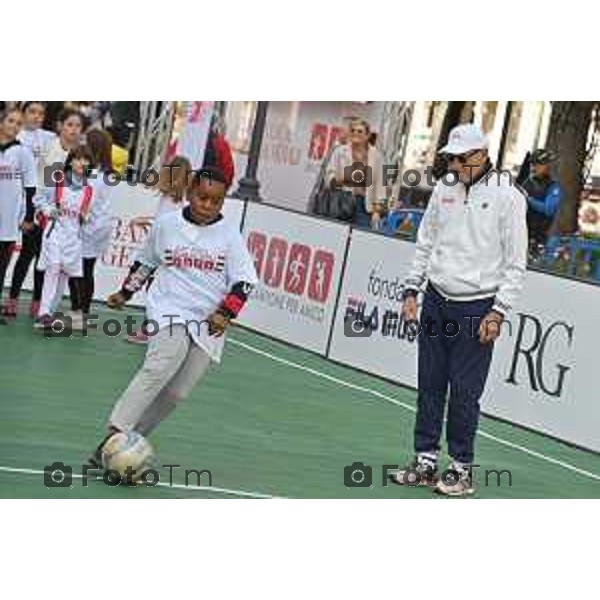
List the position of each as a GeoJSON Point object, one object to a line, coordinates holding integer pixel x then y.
{"type": "Point", "coordinates": [567, 136]}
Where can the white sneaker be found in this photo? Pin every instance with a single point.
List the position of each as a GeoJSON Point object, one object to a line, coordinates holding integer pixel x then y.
{"type": "Point", "coordinates": [455, 481]}
{"type": "Point", "coordinates": [422, 471]}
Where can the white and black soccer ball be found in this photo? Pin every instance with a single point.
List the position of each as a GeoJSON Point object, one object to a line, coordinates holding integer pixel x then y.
{"type": "Point", "coordinates": [128, 451]}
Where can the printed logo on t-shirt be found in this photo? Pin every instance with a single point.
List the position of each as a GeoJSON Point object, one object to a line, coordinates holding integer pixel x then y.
{"type": "Point", "coordinates": [8, 173]}
{"type": "Point", "coordinates": [193, 258]}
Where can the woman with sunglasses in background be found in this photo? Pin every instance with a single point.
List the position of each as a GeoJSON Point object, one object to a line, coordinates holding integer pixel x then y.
{"type": "Point", "coordinates": [356, 170]}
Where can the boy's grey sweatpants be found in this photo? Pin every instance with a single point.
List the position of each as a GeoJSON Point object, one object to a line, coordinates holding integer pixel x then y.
{"type": "Point", "coordinates": [172, 367]}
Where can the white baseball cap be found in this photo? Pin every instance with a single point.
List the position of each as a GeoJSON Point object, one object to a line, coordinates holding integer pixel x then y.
{"type": "Point", "coordinates": [464, 138]}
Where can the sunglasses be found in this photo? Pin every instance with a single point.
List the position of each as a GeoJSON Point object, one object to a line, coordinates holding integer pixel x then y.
{"type": "Point", "coordinates": [462, 158]}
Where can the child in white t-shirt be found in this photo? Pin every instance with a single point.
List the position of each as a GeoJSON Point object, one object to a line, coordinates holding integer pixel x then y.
{"type": "Point", "coordinates": [38, 141]}
{"type": "Point", "coordinates": [98, 228]}
{"type": "Point", "coordinates": [17, 188]}
{"type": "Point", "coordinates": [67, 207]}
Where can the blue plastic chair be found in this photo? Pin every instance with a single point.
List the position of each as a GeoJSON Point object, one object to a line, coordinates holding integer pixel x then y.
{"type": "Point", "coordinates": [575, 244]}
{"type": "Point", "coordinates": [396, 218]}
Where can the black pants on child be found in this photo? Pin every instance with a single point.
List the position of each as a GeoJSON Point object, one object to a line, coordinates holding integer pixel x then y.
{"type": "Point", "coordinates": [30, 250]}
{"type": "Point", "coordinates": [82, 288]}
{"type": "Point", "coordinates": [6, 249]}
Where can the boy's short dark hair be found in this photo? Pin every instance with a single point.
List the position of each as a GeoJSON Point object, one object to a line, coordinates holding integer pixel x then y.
{"type": "Point", "coordinates": [212, 174]}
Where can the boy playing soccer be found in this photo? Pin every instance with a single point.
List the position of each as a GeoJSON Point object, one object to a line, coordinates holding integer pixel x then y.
{"type": "Point", "coordinates": [203, 275]}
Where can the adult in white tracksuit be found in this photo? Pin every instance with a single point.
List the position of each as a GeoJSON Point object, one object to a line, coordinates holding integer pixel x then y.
{"type": "Point", "coordinates": [471, 255]}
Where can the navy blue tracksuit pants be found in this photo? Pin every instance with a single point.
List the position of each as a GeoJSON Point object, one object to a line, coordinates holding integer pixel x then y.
{"type": "Point", "coordinates": [454, 359]}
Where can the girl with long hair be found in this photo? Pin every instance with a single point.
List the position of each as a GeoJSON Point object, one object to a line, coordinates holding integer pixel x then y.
{"type": "Point", "coordinates": [67, 207]}
{"type": "Point", "coordinates": [97, 229]}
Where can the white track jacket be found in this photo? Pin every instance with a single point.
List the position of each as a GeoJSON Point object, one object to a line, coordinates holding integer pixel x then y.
{"type": "Point", "coordinates": [472, 242]}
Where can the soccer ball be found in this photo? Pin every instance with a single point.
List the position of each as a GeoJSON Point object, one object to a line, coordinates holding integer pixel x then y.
{"type": "Point", "coordinates": [128, 450]}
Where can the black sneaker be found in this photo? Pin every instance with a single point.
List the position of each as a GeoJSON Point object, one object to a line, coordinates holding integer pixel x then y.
{"type": "Point", "coordinates": [455, 481]}
{"type": "Point", "coordinates": [422, 471]}
{"type": "Point", "coordinates": [95, 460]}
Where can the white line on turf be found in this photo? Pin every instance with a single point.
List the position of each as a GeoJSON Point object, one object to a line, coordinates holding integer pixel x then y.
{"type": "Point", "coordinates": [175, 486]}
{"type": "Point", "coordinates": [377, 394]}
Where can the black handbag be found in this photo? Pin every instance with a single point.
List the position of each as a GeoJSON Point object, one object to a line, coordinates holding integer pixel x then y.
{"type": "Point", "coordinates": [336, 204]}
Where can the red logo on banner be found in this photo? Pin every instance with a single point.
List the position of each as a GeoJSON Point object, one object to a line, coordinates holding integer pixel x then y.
{"type": "Point", "coordinates": [334, 135]}
{"type": "Point", "coordinates": [318, 141]}
{"type": "Point", "coordinates": [257, 244]}
{"type": "Point", "coordinates": [275, 262]}
{"type": "Point", "coordinates": [320, 276]}
{"type": "Point", "coordinates": [297, 269]}
{"type": "Point", "coordinates": [301, 270]}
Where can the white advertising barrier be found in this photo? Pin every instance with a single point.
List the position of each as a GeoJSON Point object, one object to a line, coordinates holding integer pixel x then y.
{"type": "Point", "coordinates": [371, 293]}
{"type": "Point", "coordinates": [298, 260]}
{"type": "Point", "coordinates": [133, 210]}
{"type": "Point", "coordinates": [544, 374]}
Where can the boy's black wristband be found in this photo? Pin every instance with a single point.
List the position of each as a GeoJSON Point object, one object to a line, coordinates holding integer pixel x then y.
{"type": "Point", "coordinates": [126, 294]}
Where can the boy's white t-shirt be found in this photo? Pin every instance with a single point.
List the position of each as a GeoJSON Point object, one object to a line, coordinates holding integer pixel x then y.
{"type": "Point", "coordinates": [197, 266]}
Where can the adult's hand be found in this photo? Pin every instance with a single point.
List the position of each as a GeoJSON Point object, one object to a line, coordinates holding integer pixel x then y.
{"type": "Point", "coordinates": [490, 326]}
{"type": "Point", "coordinates": [409, 310]}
